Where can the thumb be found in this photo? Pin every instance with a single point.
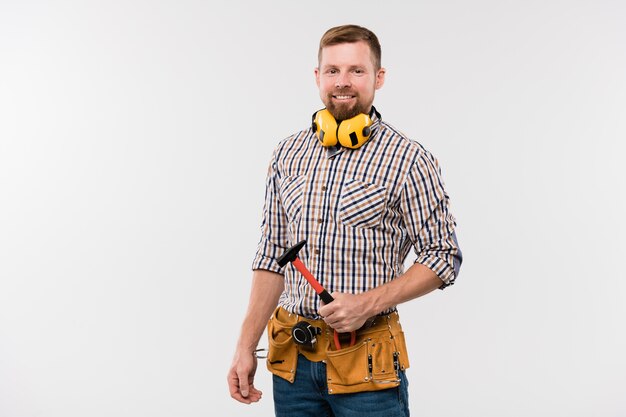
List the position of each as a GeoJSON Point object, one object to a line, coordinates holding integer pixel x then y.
{"type": "Point", "coordinates": [243, 384]}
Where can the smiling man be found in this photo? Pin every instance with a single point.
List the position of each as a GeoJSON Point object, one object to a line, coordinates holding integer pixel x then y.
{"type": "Point", "coordinates": [362, 195]}
{"type": "Point", "coordinates": [347, 77]}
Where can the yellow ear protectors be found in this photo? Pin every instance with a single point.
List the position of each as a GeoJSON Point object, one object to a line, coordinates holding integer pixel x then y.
{"type": "Point", "coordinates": [351, 133]}
{"type": "Point", "coordinates": [325, 126]}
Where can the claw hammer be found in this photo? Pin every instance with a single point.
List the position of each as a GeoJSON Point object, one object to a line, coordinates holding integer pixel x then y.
{"type": "Point", "coordinates": [291, 255]}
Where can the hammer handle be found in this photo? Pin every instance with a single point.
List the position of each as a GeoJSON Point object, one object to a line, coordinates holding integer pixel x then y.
{"type": "Point", "coordinates": [324, 295]}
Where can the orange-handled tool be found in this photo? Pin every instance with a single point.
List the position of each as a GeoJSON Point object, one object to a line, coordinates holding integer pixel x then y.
{"type": "Point", "coordinates": [291, 255]}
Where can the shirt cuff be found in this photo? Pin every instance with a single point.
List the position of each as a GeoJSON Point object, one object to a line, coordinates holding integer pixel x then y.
{"type": "Point", "coordinates": [266, 257]}
{"type": "Point", "coordinates": [444, 271]}
{"type": "Point", "coordinates": [270, 264]}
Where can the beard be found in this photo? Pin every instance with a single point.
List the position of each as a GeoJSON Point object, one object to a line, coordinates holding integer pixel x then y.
{"type": "Point", "coordinates": [344, 111]}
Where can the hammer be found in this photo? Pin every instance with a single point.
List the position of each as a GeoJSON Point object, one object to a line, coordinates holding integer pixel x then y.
{"type": "Point", "coordinates": [291, 255]}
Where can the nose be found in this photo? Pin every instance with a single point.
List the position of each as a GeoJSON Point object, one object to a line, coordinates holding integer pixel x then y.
{"type": "Point", "coordinates": [342, 80]}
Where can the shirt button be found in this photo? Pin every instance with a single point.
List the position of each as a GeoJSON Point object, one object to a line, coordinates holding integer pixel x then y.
{"type": "Point", "coordinates": [317, 251]}
{"type": "Point", "coordinates": [324, 188]}
{"type": "Point", "coordinates": [320, 220]}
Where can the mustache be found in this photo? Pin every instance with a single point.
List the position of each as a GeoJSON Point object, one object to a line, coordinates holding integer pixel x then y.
{"type": "Point", "coordinates": [344, 92]}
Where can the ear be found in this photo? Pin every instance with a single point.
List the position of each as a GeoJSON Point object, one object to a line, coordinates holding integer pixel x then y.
{"type": "Point", "coordinates": [317, 76]}
{"type": "Point", "coordinates": [380, 78]}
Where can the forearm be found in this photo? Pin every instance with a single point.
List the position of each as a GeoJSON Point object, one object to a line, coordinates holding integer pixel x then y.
{"type": "Point", "coordinates": [266, 289]}
{"type": "Point", "coordinates": [418, 280]}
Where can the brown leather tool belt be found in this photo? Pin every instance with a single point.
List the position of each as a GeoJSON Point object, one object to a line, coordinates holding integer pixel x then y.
{"type": "Point", "coordinates": [373, 363]}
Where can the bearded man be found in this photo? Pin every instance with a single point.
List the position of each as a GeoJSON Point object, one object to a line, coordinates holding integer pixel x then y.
{"type": "Point", "coordinates": [361, 194]}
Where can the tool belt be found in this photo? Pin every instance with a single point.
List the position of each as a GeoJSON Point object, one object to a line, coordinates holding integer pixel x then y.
{"type": "Point", "coordinates": [373, 363]}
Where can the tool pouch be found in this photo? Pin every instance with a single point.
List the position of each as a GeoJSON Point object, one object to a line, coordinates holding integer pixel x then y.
{"type": "Point", "coordinates": [374, 363]}
{"type": "Point", "coordinates": [282, 355]}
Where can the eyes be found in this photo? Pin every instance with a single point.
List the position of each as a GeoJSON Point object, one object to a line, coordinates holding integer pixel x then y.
{"type": "Point", "coordinates": [335, 71]}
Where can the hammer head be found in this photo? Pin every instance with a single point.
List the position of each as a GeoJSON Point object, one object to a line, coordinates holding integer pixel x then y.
{"type": "Point", "coordinates": [291, 254]}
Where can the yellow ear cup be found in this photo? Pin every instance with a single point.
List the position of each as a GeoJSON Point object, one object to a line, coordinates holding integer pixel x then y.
{"type": "Point", "coordinates": [354, 132]}
{"type": "Point", "coordinates": [325, 127]}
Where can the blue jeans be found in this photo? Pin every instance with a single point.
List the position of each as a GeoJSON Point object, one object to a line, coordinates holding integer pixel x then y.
{"type": "Point", "coordinates": [308, 396]}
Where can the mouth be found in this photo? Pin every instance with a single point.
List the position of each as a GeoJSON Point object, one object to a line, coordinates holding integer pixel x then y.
{"type": "Point", "coordinates": [343, 97]}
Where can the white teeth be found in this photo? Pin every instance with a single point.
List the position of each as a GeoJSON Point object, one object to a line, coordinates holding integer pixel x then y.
{"type": "Point", "coordinates": [343, 97]}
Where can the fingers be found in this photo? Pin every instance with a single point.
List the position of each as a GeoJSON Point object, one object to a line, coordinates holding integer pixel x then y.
{"type": "Point", "coordinates": [327, 310]}
{"type": "Point", "coordinates": [243, 383]}
{"type": "Point", "coordinates": [342, 323]}
{"type": "Point", "coordinates": [345, 314]}
{"type": "Point", "coordinates": [241, 387]}
{"type": "Point", "coordinates": [254, 394]}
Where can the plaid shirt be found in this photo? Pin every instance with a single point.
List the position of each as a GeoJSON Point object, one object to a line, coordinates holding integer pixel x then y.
{"type": "Point", "coordinates": [360, 211]}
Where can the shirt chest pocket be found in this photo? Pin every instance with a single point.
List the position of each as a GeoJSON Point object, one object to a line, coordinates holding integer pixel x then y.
{"type": "Point", "coordinates": [291, 192]}
{"type": "Point", "coordinates": [362, 204]}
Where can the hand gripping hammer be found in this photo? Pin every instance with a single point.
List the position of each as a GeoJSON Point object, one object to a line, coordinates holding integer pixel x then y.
{"type": "Point", "coordinates": [291, 255]}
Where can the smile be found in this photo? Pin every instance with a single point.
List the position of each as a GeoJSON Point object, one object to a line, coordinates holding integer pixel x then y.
{"type": "Point", "coordinates": [343, 97]}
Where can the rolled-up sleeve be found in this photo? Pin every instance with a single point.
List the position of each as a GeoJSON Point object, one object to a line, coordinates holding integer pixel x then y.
{"type": "Point", "coordinates": [429, 222]}
{"type": "Point", "coordinates": [274, 226]}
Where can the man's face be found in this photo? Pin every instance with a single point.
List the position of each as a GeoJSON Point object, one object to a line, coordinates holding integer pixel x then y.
{"type": "Point", "coordinates": [347, 79]}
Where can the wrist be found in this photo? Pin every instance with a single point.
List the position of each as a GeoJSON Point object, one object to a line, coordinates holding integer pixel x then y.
{"type": "Point", "coordinates": [370, 303]}
{"type": "Point", "coordinates": [246, 346]}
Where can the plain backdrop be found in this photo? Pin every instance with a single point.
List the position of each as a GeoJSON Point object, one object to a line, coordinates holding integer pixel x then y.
{"type": "Point", "coordinates": [134, 141]}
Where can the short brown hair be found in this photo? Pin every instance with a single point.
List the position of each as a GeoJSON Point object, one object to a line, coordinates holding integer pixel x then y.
{"type": "Point", "coordinates": [351, 34]}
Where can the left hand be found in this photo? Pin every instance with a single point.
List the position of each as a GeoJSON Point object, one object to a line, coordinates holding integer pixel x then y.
{"type": "Point", "coordinates": [346, 313]}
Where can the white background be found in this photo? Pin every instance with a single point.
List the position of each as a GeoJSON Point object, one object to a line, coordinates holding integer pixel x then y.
{"type": "Point", "coordinates": [134, 141]}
